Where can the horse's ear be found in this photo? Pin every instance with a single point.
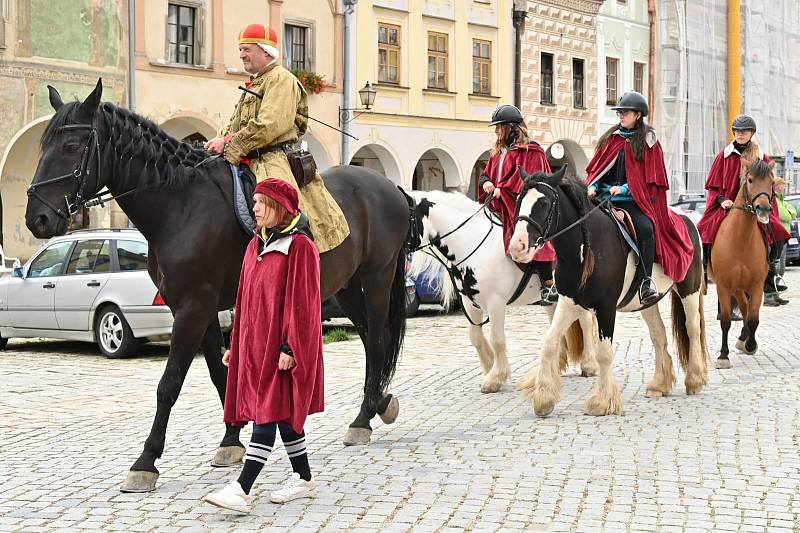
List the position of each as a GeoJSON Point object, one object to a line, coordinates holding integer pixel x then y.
{"type": "Point", "coordinates": [562, 172]}
{"type": "Point", "coordinates": [55, 98]}
{"type": "Point", "coordinates": [90, 105]}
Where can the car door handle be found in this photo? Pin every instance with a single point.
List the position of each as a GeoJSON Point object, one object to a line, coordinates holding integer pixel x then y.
{"type": "Point", "coordinates": [93, 284]}
{"type": "Point", "coordinates": [49, 285]}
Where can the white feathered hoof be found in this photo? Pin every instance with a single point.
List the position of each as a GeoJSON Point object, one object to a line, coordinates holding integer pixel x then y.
{"type": "Point", "coordinates": [391, 412]}
{"type": "Point", "coordinates": [139, 481]}
{"type": "Point", "coordinates": [740, 346]}
{"type": "Point", "coordinates": [357, 436]}
{"type": "Point", "coordinates": [228, 456]}
{"type": "Point", "coordinates": [723, 364]}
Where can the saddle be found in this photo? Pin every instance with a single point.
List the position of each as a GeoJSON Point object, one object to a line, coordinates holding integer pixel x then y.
{"type": "Point", "coordinates": [244, 183]}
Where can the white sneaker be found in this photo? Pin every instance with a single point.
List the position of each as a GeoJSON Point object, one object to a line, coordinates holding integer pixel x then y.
{"type": "Point", "coordinates": [294, 488]}
{"type": "Point", "coordinates": [231, 497]}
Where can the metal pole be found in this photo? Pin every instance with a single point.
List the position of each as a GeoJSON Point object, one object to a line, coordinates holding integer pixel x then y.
{"type": "Point", "coordinates": [348, 79]}
{"type": "Point", "coordinates": [132, 55]}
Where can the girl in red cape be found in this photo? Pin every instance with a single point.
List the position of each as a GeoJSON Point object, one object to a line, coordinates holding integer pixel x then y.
{"type": "Point", "coordinates": [275, 371]}
{"type": "Point", "coordinates": [628, 167]}
{"type": "Point", "coordinates": [502, 182]}
{"type": "Point", "coordinates": [722, 185]}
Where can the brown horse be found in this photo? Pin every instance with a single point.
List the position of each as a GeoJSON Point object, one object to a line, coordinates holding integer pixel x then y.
{"type": "Point", "coordinates": [738, 263]}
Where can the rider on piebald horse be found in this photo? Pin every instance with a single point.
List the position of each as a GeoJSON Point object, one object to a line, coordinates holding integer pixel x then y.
{"type": "Point", "coordinates": [260, 128]}
{"type": "Point", "coordinates": [501, 180]}
{"type": "Point", "coordinates": [628, 167]}
{"type": "Point", "coordinates": [722, 185]}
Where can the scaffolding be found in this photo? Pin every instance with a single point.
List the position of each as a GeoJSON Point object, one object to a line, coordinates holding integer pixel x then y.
{"type": "Point", "coordinates": [691, 62]}
{"type": "Point", "coordinates": [692, 71]}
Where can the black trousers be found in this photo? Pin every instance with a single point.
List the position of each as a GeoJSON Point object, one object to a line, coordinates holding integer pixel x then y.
{"type": "Point", "coordinates": [645, 234]}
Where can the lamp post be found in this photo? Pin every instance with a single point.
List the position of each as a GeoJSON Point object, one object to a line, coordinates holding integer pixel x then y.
{"type": "Point", "coordinates": [367, 96]}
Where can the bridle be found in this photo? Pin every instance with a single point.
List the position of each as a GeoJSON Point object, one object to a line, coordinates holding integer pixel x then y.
{"type": "Point", "coordinates": [748, 202]}
{"type": "Point", "coordinates": [553, 214]}
{"type": "Point", "coordinates": [81, 174]}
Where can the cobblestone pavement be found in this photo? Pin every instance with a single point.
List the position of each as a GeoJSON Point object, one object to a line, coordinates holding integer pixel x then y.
{"type": "Point", "coordinates": [728, 459]}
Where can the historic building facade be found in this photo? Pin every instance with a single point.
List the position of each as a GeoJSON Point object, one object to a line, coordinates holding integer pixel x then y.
{"type": "Point", "coordinates": [440, 68]}
{"type": "Point", "coordinates": [559, 83]}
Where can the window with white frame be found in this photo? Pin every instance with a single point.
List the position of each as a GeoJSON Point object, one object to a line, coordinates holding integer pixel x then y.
{"type": "Point", "coordinates": [297, 46]}
{"type": "Point", "coordinates": [183, 33]}
{"type": "Point", "coordinates": [612, 67]}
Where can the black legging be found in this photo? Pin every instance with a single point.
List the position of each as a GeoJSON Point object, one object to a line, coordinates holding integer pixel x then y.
{"type": "Point", "coordinates": [645, 234]}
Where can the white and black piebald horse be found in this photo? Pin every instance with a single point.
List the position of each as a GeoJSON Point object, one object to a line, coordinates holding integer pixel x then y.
{"type": "Point", "coordinates": [594, 270]}
{"type": "Point", "coordinates": [486, 278]}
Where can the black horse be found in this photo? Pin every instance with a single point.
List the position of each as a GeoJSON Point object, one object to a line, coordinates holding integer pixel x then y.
{"type": "Point", "coordinates": [180, 199]}
{"type": "Point", "coordinates": [594, 271]}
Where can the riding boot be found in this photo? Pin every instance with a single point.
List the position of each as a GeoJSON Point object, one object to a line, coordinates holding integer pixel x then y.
{"type": "Point", "coordinates": [706, 260]}
{"type": "Point", "coordinates": [770, 299]}
{"type": "Point", "coordinates": [648, 295]}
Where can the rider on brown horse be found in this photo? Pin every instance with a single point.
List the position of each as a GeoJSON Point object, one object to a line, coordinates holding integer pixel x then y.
{"type": "Point", "coordinates": [722, 185]}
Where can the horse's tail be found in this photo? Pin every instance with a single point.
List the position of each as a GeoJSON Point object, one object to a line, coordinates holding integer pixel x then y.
{"type": "Point", "coordinates": [681, 334]}
{"type": "Point", "coordinates": [396, 330]}
{"type": "Point", "coordinates": [425, 263]}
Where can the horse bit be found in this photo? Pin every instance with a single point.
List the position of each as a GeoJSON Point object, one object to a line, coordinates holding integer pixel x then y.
{"type": "Point", "coordinates": [748, 202]}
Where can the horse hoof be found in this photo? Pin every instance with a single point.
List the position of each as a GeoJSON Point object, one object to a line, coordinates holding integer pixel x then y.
{"type": "Point", "coordinates": [139, 481]}
{"type": "Point", "coordinates": [391, 412]}
{"type": "Point", "coordinates": [653, 393]}
{"type": "Point", "coordinates": [357, 436]}
{"type": "Point", "coordinates": [543, 408]}
{"type": "Point", "coordinates": [228, 456]}
{"type": "Point", "coordinates": [723, 364]}
{"type": "Point", "coordinates": [750, 352]}
{"type": "Point", "coordinates": [740, 346]}
{"type": "Point", "coordinates": [490, 386]}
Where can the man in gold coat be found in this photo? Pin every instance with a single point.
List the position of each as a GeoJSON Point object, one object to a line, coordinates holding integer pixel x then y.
{"type": "Point", "coordinates": [260, 127]}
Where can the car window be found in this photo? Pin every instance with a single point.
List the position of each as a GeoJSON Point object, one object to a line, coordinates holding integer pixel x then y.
{"type": "Point", "coordinates": [796, 203]}
{"type": "Point", "coordinates": [50, 261]}
{"type": "Point", "coordinates": [700, 207]}
{"type": "Point", "coordinates": [132, 255]}
{"type": "Point", "coordinates": [84, 256]}
{"type": "Point", "coordinates": [103, 263]}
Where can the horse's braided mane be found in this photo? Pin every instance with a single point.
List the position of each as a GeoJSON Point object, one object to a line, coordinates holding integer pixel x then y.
{"type": "Point", "coordinates": [167, 162]}
{"type": "Point", "coordinates": [575, 190]}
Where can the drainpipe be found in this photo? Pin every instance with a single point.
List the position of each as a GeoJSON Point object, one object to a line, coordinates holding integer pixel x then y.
{"type": "Point", "coordinates": [519, 14]}
{"type": "Point", "coordinates": [651, 61]}
{"type": "Point", "coordinates": [132, 55]}
{"type": "Point", "coordinates": [734, 60]}
{"type": "Point", "coordinates": [350, 7]}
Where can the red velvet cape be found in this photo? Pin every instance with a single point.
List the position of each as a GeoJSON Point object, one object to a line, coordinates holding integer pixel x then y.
{"type": "Point", "coordinates": [278, 302]}
{"type": "Point", "coordinates": [648, 184]}
{"type": "Point", "coordinates": [532, 158]}
{"type": "Point", "coordinates": [723, 179]}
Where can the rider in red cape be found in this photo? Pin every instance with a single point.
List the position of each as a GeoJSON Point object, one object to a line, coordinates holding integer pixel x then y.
{"type": "Point", "coordinates": [275, 370]}
{"type": "Point", "coordinates": [722, 185]}
{"type": "Point", "coordinates": [641, 182]}
{"type": "Point", "coordinates": [501, 179]}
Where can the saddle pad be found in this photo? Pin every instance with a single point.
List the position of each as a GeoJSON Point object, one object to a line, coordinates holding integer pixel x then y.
{"type": "Point", "coordinates": [244, 182]}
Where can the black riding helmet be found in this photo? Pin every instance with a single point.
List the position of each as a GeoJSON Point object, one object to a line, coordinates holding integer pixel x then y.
{"type": "Point", "coordinates": [744, 122]}
{"type": "Point", "coordinates": [633, 101]}
{"type": "Point", "coordinates": [506, 114]}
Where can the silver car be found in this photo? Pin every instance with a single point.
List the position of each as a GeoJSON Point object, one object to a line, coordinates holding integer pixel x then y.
{"type": "Point", "coordinates": [89, 285]}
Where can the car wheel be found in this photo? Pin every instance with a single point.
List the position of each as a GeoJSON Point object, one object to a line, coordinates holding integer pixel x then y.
{"type": "Point", "coordinates": [3, 342]}
{"type": "Point", "coordinates": [412, 304]}
{"type": "Point", "coordinates": [113, 334]}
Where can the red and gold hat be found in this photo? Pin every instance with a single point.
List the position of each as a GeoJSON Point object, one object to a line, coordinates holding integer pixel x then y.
{"type": "Point", "coordinates": [281, 192]}
{"type": "Point", "coordinates": [262, 35]}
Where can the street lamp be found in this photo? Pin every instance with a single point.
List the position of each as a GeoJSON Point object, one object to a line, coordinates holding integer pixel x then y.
{"type": "Point", "coordinates": [367, 96]}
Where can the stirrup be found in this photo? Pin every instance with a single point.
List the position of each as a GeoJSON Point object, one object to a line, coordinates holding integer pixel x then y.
{"type": "Point", "coordinates": [652, 296]}
{"type": "Point", "coordinates": [780, 283]}
{"type": "Point", "coordinates": [549, 295]}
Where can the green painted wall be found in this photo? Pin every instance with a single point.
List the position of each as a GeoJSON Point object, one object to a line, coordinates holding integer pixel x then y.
{"type": "Point", "coordinates": [69, 92]}
{"type": "Point", "coordinates": [88, 31]}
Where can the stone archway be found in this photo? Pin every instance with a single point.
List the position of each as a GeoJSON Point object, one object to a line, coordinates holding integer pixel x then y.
{"type": "Point", "coordinates": [477, 172]}
{"type": "Point", "coordinates": [379, 159]}
{"type": "Point", "coordinates": [436, 169]}
{"type": "Point", "coordinates": [317, 150]}
{"type": "Point", "coordinates": [567, 151]}
{"type": "Point", "coordinates": [189, 128]}
{"type": "Point", "coordinates": [17, 168]}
